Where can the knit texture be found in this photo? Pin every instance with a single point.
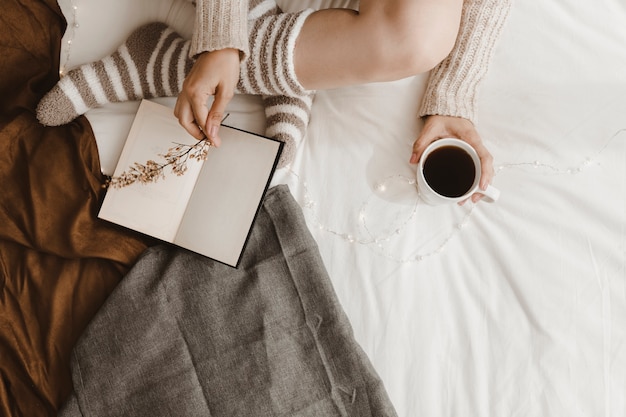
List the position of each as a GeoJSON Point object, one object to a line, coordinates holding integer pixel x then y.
{"type": "Point", "coordinates": [220, 24]}
{"type": "Point", "coordinates": [453, 84]}
{"type": "Point", "coordinates": [185, 336]}
{"type": "Point", "coordinates": [270, 71]}
{"type": "Point", "coordinates": [154, 61]}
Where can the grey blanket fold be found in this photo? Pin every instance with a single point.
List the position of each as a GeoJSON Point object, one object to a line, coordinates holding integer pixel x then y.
{"type": "Point", "coordinates": [186, 336]}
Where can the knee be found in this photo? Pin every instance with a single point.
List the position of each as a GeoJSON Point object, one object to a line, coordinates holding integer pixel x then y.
{"type": "Point", "coordinates": [422, 52]}
{"type": "Point", "coordinates": [404, 47]}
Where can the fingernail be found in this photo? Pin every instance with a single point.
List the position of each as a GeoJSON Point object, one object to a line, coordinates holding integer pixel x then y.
{"type": "Point", "coordinates": [413, 158]}
{"type": "Point", "coordinates": [213, 131]}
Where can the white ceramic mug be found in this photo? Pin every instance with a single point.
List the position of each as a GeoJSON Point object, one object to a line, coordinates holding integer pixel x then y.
{"type": "Point", "coordinates": [449, 171]}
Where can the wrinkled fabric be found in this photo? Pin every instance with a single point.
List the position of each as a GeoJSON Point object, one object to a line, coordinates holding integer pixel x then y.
{"type": "Point", "coordinates": [185, 335]}
{"type": "Point", "coordinates": [57, 262]}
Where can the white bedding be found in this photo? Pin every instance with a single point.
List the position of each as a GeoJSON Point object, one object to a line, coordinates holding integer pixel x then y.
{"type": "Point", "coordinates": [516, 308]}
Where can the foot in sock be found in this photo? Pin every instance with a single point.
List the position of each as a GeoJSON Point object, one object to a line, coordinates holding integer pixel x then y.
{"type": "Point", "coordinates": [154, 61]}
{"type": "Point", "coordinates": [151, 63]}
{"type": "Point", "coordinates": [287, 119]}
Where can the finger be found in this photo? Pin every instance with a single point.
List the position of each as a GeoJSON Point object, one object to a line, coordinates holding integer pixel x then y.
{"type": "Point", "coordinates": [431, 131]}
{"type": "Point", "coordinates": [486, 167]}
{"type": "Point", "coordinates": [216, 115]}
{"type": "Point", "coordinates": [184, 114]}
{"type": "Point", "coordinates": [415, 156]}
{"type": "Point", "coordinates": [472, 137]}
{"type": "Point", "coordinates": [200, 113]}
{"type": "Point", "coordinates": [418, 149]}
{"type": "Point", "coordinates": [476, 197]}
{"type": "Point", "coordinates": [420, 144]}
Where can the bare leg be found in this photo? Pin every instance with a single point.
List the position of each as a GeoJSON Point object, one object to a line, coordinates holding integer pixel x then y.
{"type": "Point", "coordinates": [386, 40]}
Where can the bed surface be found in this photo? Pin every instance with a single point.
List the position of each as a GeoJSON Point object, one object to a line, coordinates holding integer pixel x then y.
{"type": "Point", "coordinates": [515, 308]}
{"type": "Point", "coordinates": [508, 309]}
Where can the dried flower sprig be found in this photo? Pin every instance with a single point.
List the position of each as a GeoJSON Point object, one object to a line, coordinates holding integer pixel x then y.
{"type": "Point", "coordinates": [176, 158]}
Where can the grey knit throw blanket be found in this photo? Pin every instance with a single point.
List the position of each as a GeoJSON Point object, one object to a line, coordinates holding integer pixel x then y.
{"type": "Point", "coordinates": [186, 336]}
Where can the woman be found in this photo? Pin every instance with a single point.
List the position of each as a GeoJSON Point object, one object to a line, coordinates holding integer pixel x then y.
{"type": "Point", "coordinates": [252, 47]}
{"type": "Point", "coordinates": [383, 41]}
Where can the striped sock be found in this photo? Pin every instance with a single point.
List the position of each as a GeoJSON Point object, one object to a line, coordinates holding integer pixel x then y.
{"type": "Point", "coordinates": [270, 71]}
{"type": "Point", "coordinates": [270, 68]}
{"type": "Point", "coordinates": [286, 119]}
{"type": "Point", "coordinates": [154, 61]}
{"type": "Point", "coordinates": [151, 63]}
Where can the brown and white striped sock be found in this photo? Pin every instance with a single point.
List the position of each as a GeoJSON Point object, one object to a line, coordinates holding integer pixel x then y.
{"type": "Point", "coordinates": [154, 61]}
{"type": "Point", "coordinates": [270, 71]}
{"type": "Point", "coordinates": [151, 63]}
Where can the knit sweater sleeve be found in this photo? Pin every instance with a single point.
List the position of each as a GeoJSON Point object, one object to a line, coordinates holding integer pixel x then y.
{"type": "Point", "coordinates": [220, 24]}
{"type": "Point", "coordinates": [453, 84]}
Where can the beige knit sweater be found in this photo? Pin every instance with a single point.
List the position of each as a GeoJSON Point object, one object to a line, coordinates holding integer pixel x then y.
{"type": "Point", "coordinates": [220, 24]}
{"type": "Point", "coordinates": [452, 85]}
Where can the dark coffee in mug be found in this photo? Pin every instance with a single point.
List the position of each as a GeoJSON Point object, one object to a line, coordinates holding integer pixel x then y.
{"type": "Point", "coordinates": [450, 171]}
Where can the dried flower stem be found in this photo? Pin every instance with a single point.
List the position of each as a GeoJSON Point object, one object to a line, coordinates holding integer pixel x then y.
{"type": "Point", "coordinates": [176, 157]}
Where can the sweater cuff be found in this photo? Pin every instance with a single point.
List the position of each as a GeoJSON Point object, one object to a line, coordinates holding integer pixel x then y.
{"type": "Point", "coordinates": [220, 24]}
{"type": "Point", "coordinates": [453, 84]}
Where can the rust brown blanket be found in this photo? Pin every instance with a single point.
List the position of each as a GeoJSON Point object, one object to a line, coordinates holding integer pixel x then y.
{"type": "Point", "coordinates": [58, 263]}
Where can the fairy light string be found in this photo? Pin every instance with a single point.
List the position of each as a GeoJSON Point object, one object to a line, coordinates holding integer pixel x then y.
{"type": "Point", "coordinates": [72, 26]}
{"type": "Point", "coordinates": [557, 170]}
{"type": "Point", "coordinates": [378, 242]}
{"type": "Point", "coordinates": [381, 242]}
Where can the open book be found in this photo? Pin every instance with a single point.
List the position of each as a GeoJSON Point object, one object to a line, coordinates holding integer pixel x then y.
{"type": "Point", "coordinates": [211, 207]}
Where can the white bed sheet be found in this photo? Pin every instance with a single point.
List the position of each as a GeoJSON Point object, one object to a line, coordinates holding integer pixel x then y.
{"type": "Point", "coordinates": [516, 308]}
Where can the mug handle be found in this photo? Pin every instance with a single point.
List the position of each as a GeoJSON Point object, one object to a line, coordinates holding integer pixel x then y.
{"type": "Point", "coordinates": [491, 194]}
